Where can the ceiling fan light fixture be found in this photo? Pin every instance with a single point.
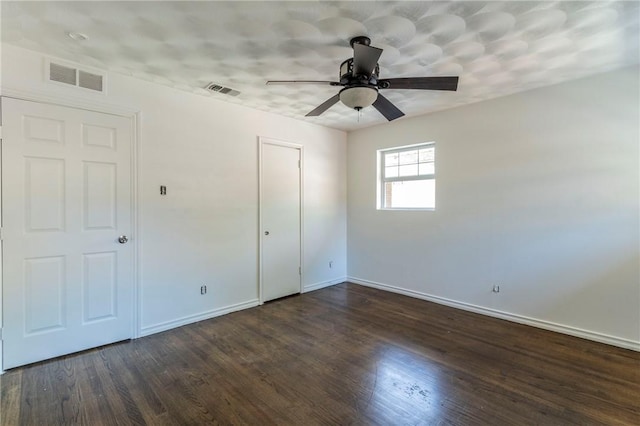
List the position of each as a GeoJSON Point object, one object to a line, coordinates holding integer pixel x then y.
{"type": "Point", "coordinates": [358, 97]}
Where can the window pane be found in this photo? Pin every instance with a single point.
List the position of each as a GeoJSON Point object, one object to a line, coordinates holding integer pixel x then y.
{"type": "Point", "coordinates": [427, 154]}
{"type": "Point", "coordinates": [391, 159]}
{"type": "Point", "coordinates": [427, 168]}
{"type": "Point", "coordinates": [409, 157]}
{"type": "Point", "coordinates": [410, 194]}
{"type": "Point", "coordinates": [391, 171]}
{"type": "Point", "coordinates": [409, 170]}
{"type": "Point", "coordinates": [414, 163]}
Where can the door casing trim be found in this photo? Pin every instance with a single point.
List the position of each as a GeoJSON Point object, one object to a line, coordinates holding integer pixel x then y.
{"type": "Point", "coordinates": [263, 140]}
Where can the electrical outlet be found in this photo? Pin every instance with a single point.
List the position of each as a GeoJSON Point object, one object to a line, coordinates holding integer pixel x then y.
{"type": "Point", "coordinates": [330, 264]}
{"type": "Point", "coordinates": [496, 289]}
{"type": "Point", "coordinates": [203, 289]}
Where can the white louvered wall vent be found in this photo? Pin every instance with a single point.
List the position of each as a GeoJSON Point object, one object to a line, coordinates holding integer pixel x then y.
{"type": "Point", "coordinates": [213, 87]}
{"type": "Point", "coordinates": [74, 76]}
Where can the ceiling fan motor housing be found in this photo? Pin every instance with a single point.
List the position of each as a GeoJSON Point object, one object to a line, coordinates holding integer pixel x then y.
{"type": "Point", "coordinates": [347, 77]}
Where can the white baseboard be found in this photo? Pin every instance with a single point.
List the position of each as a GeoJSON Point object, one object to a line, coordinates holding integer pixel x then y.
{"type": "Point", "coordinates": [164, 326]}
{"type": "Point", "coordinates": [546, 325]}
{"type": "Point", "coordinates": [317, 286]}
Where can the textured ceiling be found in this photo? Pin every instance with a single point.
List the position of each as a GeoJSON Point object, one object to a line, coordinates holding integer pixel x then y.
{"type": "Point", "coordinates": [496, 48]}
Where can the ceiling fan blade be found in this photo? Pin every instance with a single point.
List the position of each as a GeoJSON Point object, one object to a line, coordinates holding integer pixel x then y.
{"type": "Point", "coordinates": [323, 82]}
{"type": "Point", "coordinates": [386, 108]}
{"type": "Point", "coordinates": [324, 106]}
{"type": "Point", "coordinates": [422, 83]}
{"type": "Point", "coordinates": [365, 59]}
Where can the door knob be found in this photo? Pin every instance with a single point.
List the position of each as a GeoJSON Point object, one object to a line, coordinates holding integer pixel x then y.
{"type": "Point", "coordinates": [266, 232]}
{"type": "Point", "coordinates": [122, 239]}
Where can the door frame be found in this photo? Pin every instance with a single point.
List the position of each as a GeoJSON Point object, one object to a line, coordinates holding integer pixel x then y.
{"type": "Point", "coordinates": [262, 140]}
{"type": "Point", "coordinates": [135, 115]}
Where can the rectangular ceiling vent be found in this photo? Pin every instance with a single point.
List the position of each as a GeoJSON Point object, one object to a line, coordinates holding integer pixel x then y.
{"type": "Point", "coordinates": [74, 76]}
{"type": "Point", "coordinates": [213, 87]}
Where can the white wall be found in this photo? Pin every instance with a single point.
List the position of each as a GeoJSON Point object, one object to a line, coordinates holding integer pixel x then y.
{"type": "Point", "coordinates": [537, 192]}
{"type": "Point", "coordinates": [205, 230]}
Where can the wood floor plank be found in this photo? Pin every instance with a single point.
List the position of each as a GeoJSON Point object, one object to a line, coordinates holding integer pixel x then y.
{"type": "Point", "coordinates": [341, 355]}
{"type": "Point", "coordinates": [11, 398]}
{"type": "Point", "coordinates": [96, 409]}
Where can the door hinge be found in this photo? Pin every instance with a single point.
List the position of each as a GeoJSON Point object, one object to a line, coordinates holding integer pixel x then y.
{"type": "Point", "coordinates": [298, 163]}
{"type": "Point", "coordinates": [1, 234]}
{"type": "Point", "coordinates": [299, 270]}
{"type": "Point", "coordinates": [0, 334]}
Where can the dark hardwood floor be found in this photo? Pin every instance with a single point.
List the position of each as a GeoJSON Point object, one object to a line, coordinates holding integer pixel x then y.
{"type": "Point", "coordinates": [342, 355]}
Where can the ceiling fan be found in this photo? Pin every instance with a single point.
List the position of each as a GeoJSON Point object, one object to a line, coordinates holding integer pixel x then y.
{"type": "Point", "coordinates": [360, 78]}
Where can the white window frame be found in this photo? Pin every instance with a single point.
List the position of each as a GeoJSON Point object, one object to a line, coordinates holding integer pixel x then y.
{"type": "Point", "coordinates": [381, 180]}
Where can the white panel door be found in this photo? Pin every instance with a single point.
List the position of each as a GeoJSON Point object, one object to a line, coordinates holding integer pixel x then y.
{"type": "Point", "coordinates": [68, 281]}
{"type": "Point", "coordinates": [280, 211]}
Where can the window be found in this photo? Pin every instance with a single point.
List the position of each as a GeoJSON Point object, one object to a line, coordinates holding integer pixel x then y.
{"type": "Point", "coordinates": [407, 177]}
